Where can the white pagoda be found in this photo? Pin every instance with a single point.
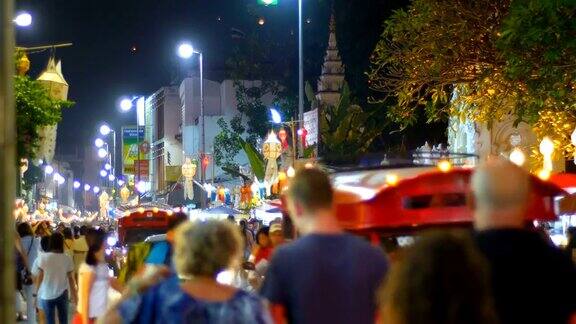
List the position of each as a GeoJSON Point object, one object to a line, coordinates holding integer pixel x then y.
{"type": "Point", "coordinates": [332, 77]}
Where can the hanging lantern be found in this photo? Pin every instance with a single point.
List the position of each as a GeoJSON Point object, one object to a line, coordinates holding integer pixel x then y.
{"type": "Point", "coordinates": [283, 136]}
{"type": "Point", "coordinates": [23, 64]}
{"type": "Point", "coordinates": [547, 149]}
{"type": "Point", "coordinates": [124, 194]}
{"type": "Point", "coordinates": [271, 150]}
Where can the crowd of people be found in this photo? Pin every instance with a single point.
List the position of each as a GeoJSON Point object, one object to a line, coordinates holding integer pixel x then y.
{"type": "Point", "coordinates": [501, 271]}
{"type": "Point", "coordinates": [57, 267]}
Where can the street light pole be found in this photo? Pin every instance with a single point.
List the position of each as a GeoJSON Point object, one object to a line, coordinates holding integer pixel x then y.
{"type": "Point", "coordinates": [203, 129]}
{"type": "Point", "coordinates": [300, 68]}
{"type": "Point", "coordinates": [7, 161]}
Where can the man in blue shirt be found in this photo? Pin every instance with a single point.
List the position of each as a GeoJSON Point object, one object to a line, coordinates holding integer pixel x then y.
{"type": "Point", "coordinates": [325, 276]}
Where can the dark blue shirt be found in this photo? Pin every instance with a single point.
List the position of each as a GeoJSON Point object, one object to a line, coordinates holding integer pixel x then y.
{"type": "Point", "coordinates": [326, 279]}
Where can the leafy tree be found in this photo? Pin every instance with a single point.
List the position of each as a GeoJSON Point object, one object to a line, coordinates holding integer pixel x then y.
{"type": "Point", "coordinates": [428, 48]}
{"type": "Point", "coordinates": [345, 129]}
{"type": "Point", "coordinates": [482, 60]}
{"type": "Point", "coordinates": [34, 109]}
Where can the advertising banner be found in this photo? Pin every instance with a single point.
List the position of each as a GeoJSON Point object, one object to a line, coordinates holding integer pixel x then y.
{"type": "Point", "coordinates": [131, 139]}
{"type": "Point", "coordinates": [311, 126]}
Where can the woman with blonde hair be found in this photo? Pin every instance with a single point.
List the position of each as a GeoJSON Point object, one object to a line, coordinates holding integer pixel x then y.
{"type": "Point", "coordinates": [441, 279]}
{"type": "Point", "coordinates": [202, 251]}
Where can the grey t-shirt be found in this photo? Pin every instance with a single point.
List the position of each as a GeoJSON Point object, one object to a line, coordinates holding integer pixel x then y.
{"type": "Point", "coordinates": [326, 279]}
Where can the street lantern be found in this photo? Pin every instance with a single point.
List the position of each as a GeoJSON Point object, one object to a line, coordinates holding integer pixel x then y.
{"type": "Point", "coordinates": [107, 166]}
{"type": "Point", "coordinates": [102, 152]}
{"type": "Point", "coordinates": [124, 194]}
{"type": "Point", "coordinates": [76, 184]}
{"type": "Point", "coordinates": [185, 50]}
{"type": "Point", "coordinates": [23, 19]}
{"type": "Point", "coordinates": [125, 104]}
{"type": "Point", "coordinates": [96, 189]}
{"type": "Point", "coordinates": [48, 169]}
{"type": "Point", "coordinates": [111, 177]}
{"type": "Point", "coordinates": [105, 130]}
{"type": "Point", "coordinates": [103, 173]}
{"type": "Point", "coordinates": [99, 142]}
{"type": "Point", "coordinates": [86, 187]}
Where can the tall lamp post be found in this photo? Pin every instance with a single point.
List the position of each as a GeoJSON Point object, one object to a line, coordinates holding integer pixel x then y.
{"type": "Point", "coordinates": [105, 130]}
{"type": "Point", "coordinates": [185, 51]}
{"type": "Point", "coordinates": [126, 105]}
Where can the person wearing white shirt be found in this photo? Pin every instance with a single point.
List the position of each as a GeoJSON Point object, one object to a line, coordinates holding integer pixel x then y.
{"type": "Point", "coordinates": [55, 275]}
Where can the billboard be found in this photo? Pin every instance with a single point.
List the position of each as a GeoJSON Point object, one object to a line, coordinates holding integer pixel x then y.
{"type": "Point", "coordinates": [311, 125]}
{"type": "Point", "coordinates": [132, 138]}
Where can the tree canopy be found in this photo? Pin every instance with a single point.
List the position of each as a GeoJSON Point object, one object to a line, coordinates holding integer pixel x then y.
{"type": "Point", "coordinates": [502, 57]}
{"type": "Point", "coordinates": [34, 109]}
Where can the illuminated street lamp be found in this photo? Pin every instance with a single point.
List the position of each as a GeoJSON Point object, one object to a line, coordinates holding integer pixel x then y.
{"type": "Point", "coordinates": [23, 19]}
{"type": "Point", "coordinates": [48, 169]}
{"type": "Point", "coordinates": [76, 184]}
{"type": "Point", "coordinates": [86, 187]}
{"type": "Point", "coordinates": [102, 152]}
{"type": "Point", "coordinates": [107, 167]}
{"type": "Point", "coordinates": [111, 177]}
{"type": "Point", "coordinates": [185, 51]}
{"type": "Point", "coordinates": [120, 182]}
{"type": "Point", "coordinates": [96, 189]}
{"type": "Point", "coordinates": [125, 104]}
{"type": "Point", "coordinates": [103, 173]}
{"type": "Point", "coordinates": [99, 142]}
{"type": "Point", "coordinates": [105, 130]}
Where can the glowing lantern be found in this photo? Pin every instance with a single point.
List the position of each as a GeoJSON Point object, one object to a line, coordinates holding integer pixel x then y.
{"type": "Point", "coordinates": [547, 149]}
{"type": "Point", "coordinates": [291, 172]}
{"type": "Point", "coordinates": [205, 162]}
{"type": "Point", "coordinates": [124, 194]}
{"type": "Point", "coordinates": [283, 136]}
{"type": "Point", "coordinates": [271, 151]}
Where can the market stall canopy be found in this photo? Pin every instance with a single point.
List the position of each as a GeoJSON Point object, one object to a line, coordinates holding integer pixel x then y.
{"type": "Point", "coordinates": [419, 197]}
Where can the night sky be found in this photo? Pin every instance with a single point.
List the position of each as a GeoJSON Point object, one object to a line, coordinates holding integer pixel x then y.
{"type": "Point", "coordinates": [102, 65]}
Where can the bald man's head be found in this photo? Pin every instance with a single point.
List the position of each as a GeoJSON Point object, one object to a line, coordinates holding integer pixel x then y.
{"type": "Point", "coordinates": [501, 192]}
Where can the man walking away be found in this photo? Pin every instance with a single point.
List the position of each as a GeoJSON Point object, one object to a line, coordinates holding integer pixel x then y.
{"type": "Point", "coordinates": [325, 276]}
{"type": "Point", "coordinates": [532, 281]}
